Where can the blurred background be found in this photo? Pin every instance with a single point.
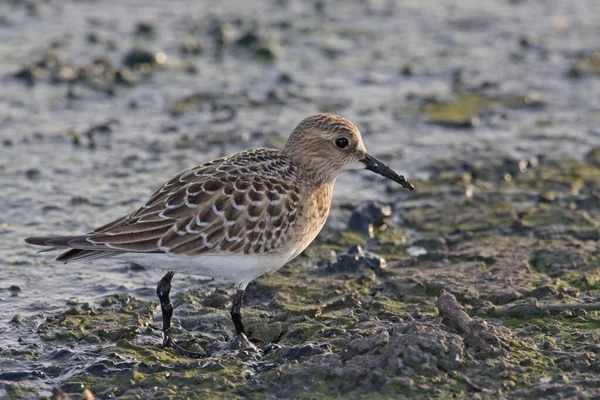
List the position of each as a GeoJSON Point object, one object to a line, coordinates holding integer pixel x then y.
{"type": "Point", "coordinates": [103, 101]}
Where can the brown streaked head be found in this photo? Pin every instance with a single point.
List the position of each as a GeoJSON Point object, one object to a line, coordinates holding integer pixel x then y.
{"type": "Point", "coordinates": [327, 144]}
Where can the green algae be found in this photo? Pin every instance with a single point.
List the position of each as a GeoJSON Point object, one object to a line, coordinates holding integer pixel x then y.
{"type": "Point", "coordinates": [90, 324]}
{"type": "Point", "coordinates": [487, 249]}
{"type": "Point", "coordinates": [461, 111]}
{"type": "Point", "coordinates": [19, 392]}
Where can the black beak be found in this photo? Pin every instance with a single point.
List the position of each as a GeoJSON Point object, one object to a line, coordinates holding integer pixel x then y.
{"type": "Point", "coordinates": [380, 168]}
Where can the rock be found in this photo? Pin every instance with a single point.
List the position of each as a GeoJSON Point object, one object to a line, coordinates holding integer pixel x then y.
{"type": "Point", "coordinates": [479, 336]}
{"type": "Point", "coordinates": [97, 369]}
{"type": "Point", "coordinates": [297, 353]}
{"type": "Point", "coordinates": [17, 319]}
{"type": "Point", "coordinates": [136, 57]}
{"type": "Point", "coordinates": [543, 291]}
{"type": "Point", "coordinates": [268, 51]}
{"type": "Point", "coordinates": [33, 174]}
{"type": "Point", "coordinates": [213, 366]}
{"type": "Point", "coordinates": [434, 249]}
{"type": "Point", "coordinates": [368, 216]}
{"type": "Point", "coordinates": [586, 65]}
{"type": "Point", "coordinates": [16, 376]}
{"type": "Point", "coordinates": [593, 157]}
{"type": "Point", "coordinates": [355, 260]}
{"type": "Point", "coordinates": [264, 48]}
{"type": "Point", "coordinates": [15, 289]}
{"type": "Point", "coordinates": [407, 69]}
{"type": "Point", "coordinates": [192, 48]}
{"type": "Point", "coordinates": [72, 387]}
{"type": "Point", "coordinates": [248, 39]}
{"type": "Point", "coordinates": [502, 297]}
{"type": "Point", "coordinates": [145, 29]}
{"type": "Point", "coordinates": [61, 354]}
{"type": "Point", "coordinates": [125, 77]}
{"type": "Point", "coordinates": [239, 347]}
{"type": "Point", "coordinates": [92, 37]}
{"type": "Point", "coordinates": [363, 345]}
{"type": "Point", "coordinates": [432, 245]}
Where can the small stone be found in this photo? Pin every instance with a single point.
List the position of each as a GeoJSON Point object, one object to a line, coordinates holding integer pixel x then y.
{"type": "Point", "coordinates": [15, 289]}
{"type": "Point", "coordinates": [17, 319]}
{"type": "Point", "coordinates": [145, 29]}
{"type": "Point", "coordinates": [543, 291]}
{"type": "Point", "coordinates": [547, 196]}
{"type": "Point", "coordinates": [15, 376]}
{"type": "Point", "coordinates": [72, 387]}
{"type": "Point", "coordinates": [33, 174]}
{"type": "Point", "coordinates": [416, 251]}
{"type": "Point", "coordinates": [61, 355]}
{"type": "Point", "coordinates": [29, 75]}
{"type": "Point", "coordinates": [586, 65]}
{"type": "Point", "coordinates": [368, 216]}
{"type": "Point", "coordinates": [593, 157]}
{"type": "Point", "coordinates": [407, 70]}
{"type": "Point", "coordinates": [534, 100]}
{"type": "Point", "coordinates": [432, 245]}
{"type": "Point", "coordinates": [79, 200]}
{"type": "Point", "coordinates": [363, 345]}
{"type": "Point", "coordinates": [526, 41]}
{"type": "Point", "coordinates": [92, 37]}
{"type": "Point", "coordinates": [297, 353]}
{"type": "Point", "coordinates": [355, 260]}
{"type": "Point", "coordinates": [268, 51]}
{"type": "Point", "coordinates": [285, 79]}
{"type": "Point", "coordinates": [505, 296]}
{"type": "Point", "coordinates": [125, 373]}
{"type": "Point", "coordinates": [213, 366]}
{"type": "Point", "coordinates": [247, 40]}
{"type": "Point", "coordinates": [137, 57]}
{"type": "Point", "coordinates": [97, 369]}
{"type": "Point", "coordinates": [192, 48]}
{"type": "Point", "coordinates": [125, 77]}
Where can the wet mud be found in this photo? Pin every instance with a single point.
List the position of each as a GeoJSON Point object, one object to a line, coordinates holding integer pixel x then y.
{"type": "Point", "coordinates": [484, 282]}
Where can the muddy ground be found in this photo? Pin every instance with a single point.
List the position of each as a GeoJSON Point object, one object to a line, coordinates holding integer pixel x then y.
{"type": "Point", "coordinates": [482, 283]}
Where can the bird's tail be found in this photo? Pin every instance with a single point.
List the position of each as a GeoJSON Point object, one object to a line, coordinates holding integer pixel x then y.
{"type": "Point", "coordinates": [62, 243]}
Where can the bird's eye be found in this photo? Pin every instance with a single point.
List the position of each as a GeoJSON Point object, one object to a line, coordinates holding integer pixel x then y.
{"type": "Point", "coordinates": [342, 142]}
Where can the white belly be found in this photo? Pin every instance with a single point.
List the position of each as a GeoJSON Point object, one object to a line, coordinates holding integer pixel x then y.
{"type": "Point", "coordinates": [238, 269]}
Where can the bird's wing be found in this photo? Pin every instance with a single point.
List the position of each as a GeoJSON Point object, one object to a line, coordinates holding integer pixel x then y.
{"type": "Point", "coordinates": [240, 204]}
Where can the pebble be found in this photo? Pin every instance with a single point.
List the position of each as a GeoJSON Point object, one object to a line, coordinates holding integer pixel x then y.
{"type": "Point", "coordinates": [72, 387]}
{"type": "Point", "coordinates": [16, 376]}
{"type": "Point", "coordinates": [369, 215]}
{"type": "Point", "coordinates": [356, 259]}
{"type": "Point", "coordinates": [297, 353]}
{"type": "Point", "coordinates": [136, 57]}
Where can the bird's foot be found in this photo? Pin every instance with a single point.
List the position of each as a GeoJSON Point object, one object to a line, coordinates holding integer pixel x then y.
{"type": "Point", "coordinates": [169, 343]}
{"type": "Point", "coordinates": [163, 289]}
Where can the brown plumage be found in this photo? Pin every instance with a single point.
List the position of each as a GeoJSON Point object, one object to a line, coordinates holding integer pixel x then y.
{"type": "Point", "coordinates": [234, 218]}
{"type": "Point", "coordinates": [228, 205]}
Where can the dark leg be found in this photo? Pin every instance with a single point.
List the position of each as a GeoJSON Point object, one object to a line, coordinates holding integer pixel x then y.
{"type": "Point", "coordinates": [163, 289]}
{"type": "Point", "coordinates": [236, 307]}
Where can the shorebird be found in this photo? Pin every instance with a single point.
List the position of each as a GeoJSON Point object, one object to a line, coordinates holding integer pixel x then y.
{"type": "Point", "coordinates": [234, 218]}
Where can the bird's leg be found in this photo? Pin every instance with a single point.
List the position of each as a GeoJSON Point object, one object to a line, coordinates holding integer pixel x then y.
{"type": "Point", "coordinates": [163, 289]}
{"type": "Point", "coordinates": [235, 311]}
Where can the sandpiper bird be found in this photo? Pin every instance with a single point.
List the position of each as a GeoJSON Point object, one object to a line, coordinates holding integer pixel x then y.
{"type": "Point", "coordinates": [235, 218]}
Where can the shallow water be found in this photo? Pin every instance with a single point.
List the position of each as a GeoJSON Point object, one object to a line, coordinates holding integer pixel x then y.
{"type": "Point", "coordinates": [344, 58]}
